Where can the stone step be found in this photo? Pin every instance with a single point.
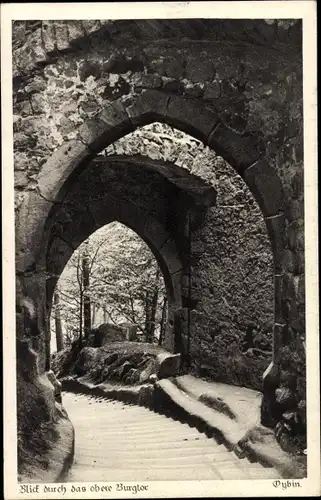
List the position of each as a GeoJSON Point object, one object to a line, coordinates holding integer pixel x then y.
{"type": "Point", "coordinates": [162, 461]}
{"type": "Point", "coordinates": [96, 474]}
{"type": "Point", "coordinates": [132, 443]}
{"type": "Point", "coordinates": [127, 432]}
{"type": "Point", "coordinates": [172, 447]}
{"type": "Point", "coordinates": [154, 439]}
{"type": "Point", "coordinates": [137, 425]}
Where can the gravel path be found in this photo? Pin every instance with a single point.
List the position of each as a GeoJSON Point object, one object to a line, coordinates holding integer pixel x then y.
{"type": "Point", "coordinates": [120, 442]}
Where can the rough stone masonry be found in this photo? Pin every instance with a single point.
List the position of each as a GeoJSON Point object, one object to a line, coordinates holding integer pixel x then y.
{"type": "Point", "coordinates": [234, 267]}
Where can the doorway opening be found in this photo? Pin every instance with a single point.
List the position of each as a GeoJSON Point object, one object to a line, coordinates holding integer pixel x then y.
{"type": "Point", "coordinates": [111, 289]}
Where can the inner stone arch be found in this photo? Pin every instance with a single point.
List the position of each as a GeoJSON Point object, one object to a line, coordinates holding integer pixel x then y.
{"type": "Point", "coordinates": [152, 199]}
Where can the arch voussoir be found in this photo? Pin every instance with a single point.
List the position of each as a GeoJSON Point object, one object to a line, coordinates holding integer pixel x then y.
{"type": "Point", "coordinates": [60, 166]}
{"type": "Point", "coordinates": [239, 151]}
{"type": "Point", "coordinates": [276, 229]}
{"type": "Point", "coordinates": [111, 123]}
{"type": "Point", "coordinates": [278, 292]}
{"type": "Point", "coordinates": [191, 116]}
{"type": "Point", "coordinates": [266, 187]}
{"type": "Point", "coordinates": [148, 107]}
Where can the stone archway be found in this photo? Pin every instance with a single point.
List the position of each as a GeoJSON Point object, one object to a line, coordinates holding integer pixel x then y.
{"type": "Point", "coordinates": [150, 197]}
{"type": "Point", "coordinates": [243, 152]}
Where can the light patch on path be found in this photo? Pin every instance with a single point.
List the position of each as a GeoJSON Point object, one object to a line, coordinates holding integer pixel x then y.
{"type": "Point", "coordinates": [120, 442]}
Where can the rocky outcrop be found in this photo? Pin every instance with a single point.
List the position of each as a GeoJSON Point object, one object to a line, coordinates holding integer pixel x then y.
{"type": "Point", "coordinates": [45, 434]}
{"type": "Point", "coordinates": [127, 363]}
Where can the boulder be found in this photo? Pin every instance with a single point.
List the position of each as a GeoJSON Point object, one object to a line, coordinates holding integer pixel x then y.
{"type": "Point", "coordinates": [167, 365]}
{"type": "Point", "coordinates": [131, 377]}
{"type": "Point", "coordinates": [285, 399]}
{"type": "Point", "coordinates": [146, 373]}
{"type": "Point", "coordinates": [124, 369]}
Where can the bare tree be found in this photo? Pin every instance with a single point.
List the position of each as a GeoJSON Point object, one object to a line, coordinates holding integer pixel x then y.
{"type": "Point", "coordinates": [58, 326]}
{"type": "Point", "coordinates": [86, 292]}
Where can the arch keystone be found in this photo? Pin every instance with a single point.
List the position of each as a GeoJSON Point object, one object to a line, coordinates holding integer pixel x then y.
{"type": "Point", "coordinates": [150, 106]}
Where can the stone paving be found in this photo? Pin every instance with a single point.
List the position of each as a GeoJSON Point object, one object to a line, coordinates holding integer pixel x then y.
{"type": "Point", "coordinates": [121, 442]}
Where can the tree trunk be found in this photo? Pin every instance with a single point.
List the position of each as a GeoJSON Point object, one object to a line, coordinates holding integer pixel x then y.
{"type": "Point", "coordinates": [154, 307]}
{"type": "Point", "coordinates": [93, 316]}
{"type": "Point", "coordinates": [163, 322]}
{"type": "Point", "coordinates": [147, 316]}
{"type": "Point", "coordinates": [59, 336]}
{"type": "Point", "coordinates": [87, 312]}
{"type": "Point", "coordinates": [105, 315]}
{"type": "Point", "coordinates": [80, 317]}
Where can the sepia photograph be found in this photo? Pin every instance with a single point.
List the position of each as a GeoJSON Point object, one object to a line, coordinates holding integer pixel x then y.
{"type": "Point", "coordinates": [160, 183]}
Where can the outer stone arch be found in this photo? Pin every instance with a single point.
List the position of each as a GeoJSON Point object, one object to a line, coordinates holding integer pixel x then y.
{"type": "Point", "coordinates": [244, 153]}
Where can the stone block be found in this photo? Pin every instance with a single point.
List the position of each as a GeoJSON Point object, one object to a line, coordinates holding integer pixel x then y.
{"type": "Point", "coordinates": [295, 210]}
{"type": "Point", "coordinates": [48, 35]}
{"type": "Point", "coordinates": [75, 30]}
{"type": "Point", "coordinates": [172, 86]}
{"type": "Point", "coordinates": [285, 399]}
{"type": "Point", "coordinates": [289, 261]}
{"type": "Point", "coordinates": [23, 108]}
{"type": "Point", "coordinates": [149, 107]}
{"type": "Point", "coordinates": [119, 64]}
{"type": "Point", "coordinates": [116, 118]}
{"type": "Point", "coordinates": [193, 89]}
{"type": "Point", "coordinates": [59, 166]}
{"type": "Point", "coordinates": [20, 179]}
{"type": "Point", "coordinates": [36, 48]}
{"type": "Point", "coordinates": [301, 290]}
{"type": "Point", "coordinates": [192, 116]}
{"type": "Point", "coordinates": [279, 331]}
{"type": "Point", "coordinates": [89, 68]}
{"type": "Point", "coordinates": [299, 262]}
{"type": "Point", "coordinates": [148, 81]}
{"type": "Point", "coordinates": [58, 254]}
{"type": "Point", "coordinates": [29, 230]}
{"type": "Point", "coordinates": [298, 184]}
{"type": "Point", "coordinates": [171, 66]}
{"type": "Point", "coordinates": [176, 288]}
{"type": "Point", "coordinates": [276, 228]}
{"type": "Point", "coordinates": [62, 38]}
{"type": "Point", "coordinates": [146, 373]}
{"type": "Point", "coordinates": [239, 151]}
{"type": "Point", "coordinates": [167, 365]}
{"type": "Point", "coordinates": [212, 91]}
{"type": "Point", "coordinates": [155, 232]}
{"type": "Point", "coordinates": [266, 187]}
{"type": "Point", "coordinates": [37, 85]}
{"type": "Point", "coordinates": [278, 296]}
{"type": "Point", "coordinates": [38, 102]}
{"type": "Point", "coordinates": [293, 232]}
{"type": "Point", "coordinates": [90, 26]}
{"type": "Point", "coordinates": [171, 256]}
{"type": "Point", "coordinates": [199, 68]}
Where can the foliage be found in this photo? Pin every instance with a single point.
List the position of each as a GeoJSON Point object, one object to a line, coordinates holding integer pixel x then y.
{"type": "Point", "coordinates": [126, 285]}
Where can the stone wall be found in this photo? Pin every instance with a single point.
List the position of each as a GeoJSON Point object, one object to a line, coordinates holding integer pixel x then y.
{"type": "Point", "coordinates": [232, 287]}
{"type": "Point", "coordinates": [249, 74]}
